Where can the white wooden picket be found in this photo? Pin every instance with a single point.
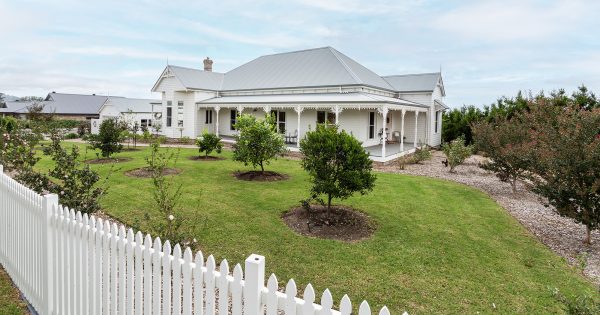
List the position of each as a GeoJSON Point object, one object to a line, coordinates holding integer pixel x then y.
{"type": "Point", "coordinates": [68, 263]}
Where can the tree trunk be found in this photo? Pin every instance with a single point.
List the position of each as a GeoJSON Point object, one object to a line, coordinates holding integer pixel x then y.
{"type": "Point", "coordinates": [262, 169]}
{"type": "Point", "coordinates": [588, 235]}
{"type": "Point", "coordinates": [513, 183]}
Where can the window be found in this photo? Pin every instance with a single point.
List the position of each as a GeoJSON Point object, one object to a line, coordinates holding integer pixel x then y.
{"type": "Point", "coordinates": [371, 125]}
{"type": "Point", "coordinates": [279, 120]}
{"type": "Point", "coordinates": [437, 115]}
{"type": "Point", "coordinates": [169, 113]}
{"type": "Point", "coordinates": [144, 123]}
{"type": "Point", "coordinates": [180, 114]}
{"type": "Point", "coordinates": [323, 116]}
{"type": "Point", "coordinates": [232, 119]}
{"type": "Point", "coordinates": [208, 118]}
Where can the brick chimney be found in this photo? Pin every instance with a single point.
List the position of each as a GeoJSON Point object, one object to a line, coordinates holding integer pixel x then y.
{"type": "Point", "coordinates": [208, 64]}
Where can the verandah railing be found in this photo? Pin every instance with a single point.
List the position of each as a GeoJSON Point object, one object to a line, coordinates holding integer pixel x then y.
{"type": "Point", "coordinates": [68, 263]}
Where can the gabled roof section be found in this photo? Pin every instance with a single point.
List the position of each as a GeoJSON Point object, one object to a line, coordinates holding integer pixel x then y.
{"type": "Point", "coordinates": [422, 82]}
{"type": "Point", "coordinates": [62, 103]}
{"type": "Point", "coordinates": [305, 68]}
{"type": "Point", "coordinates": [193, 79]}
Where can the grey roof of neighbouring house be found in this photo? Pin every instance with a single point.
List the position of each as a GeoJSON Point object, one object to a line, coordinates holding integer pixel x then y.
{"type": "Point", "coordinates": [62, 103]}
{"type": "Point", "coordinates": [422, 82]}
{"type": "Point", "coordinates": [136, 105]}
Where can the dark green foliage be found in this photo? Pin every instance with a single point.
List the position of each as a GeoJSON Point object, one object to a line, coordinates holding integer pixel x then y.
{"type": "Point", "coordinates": [108, 139]}
{"type": "Point", "coordinates": [456, 152]}
{"type": "Point", "coordinates": [337, 163]}
{"type": "Point", "coordinates": [421, 154]}
{"type": "Point", "coordinates": [258, 141]}
{"type": "Point", "coordinates": [71, 136]}
{"type": "Point", "coordinates": [209, 142]}
{"type": "Point", "coordinates": [84, 128]}
{"type": "Point", "coordinates": [8, 124]}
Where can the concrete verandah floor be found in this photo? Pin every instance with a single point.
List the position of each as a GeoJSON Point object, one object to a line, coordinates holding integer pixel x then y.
{"type": "Point", "coordinates": [390, 149]}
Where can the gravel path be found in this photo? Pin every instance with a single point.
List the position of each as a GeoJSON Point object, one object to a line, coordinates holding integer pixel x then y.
{"type": "Point", "coordinates": [560, 234]}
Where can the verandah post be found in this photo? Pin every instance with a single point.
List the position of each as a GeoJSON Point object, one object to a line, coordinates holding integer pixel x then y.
{"type": "Point", "coordinates": [50, 205]}
{"type": "Point", "coordinates": [254, 283]}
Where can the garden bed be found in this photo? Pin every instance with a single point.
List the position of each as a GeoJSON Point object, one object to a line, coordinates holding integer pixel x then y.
{"type": "Point", "coordinates": [145, 172]}
{"type": "Point", "coordinates": [206, 158]}
{"type": "Point", "coordinates": [260, 176]}
{"type": "Point", "coordinates": [108, 160]}
{"type": "Point", "coordinates": [342, 223]}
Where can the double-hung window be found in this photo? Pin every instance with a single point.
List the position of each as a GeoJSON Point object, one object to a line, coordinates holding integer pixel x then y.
{"type": "Point", "coordinates": [180, 114]}
{"type": "Point", "coordinates": [279, 119]}
{"type": "Point", "coordinates": [232, 119]}
{"type": "Point", "coordinates": [437, 120]}
{"type": "Point", "coordinates": [208, 118]}
{"type": "Point", "coordinates": [323, 116]}
{"type": "Point", "coordinates": [169, 113]}
{"type": "Point", "coordinates": [371, 130]}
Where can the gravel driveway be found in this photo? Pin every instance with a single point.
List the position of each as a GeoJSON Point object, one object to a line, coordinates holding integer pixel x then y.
{"type": "Point", "coordinates": [560, 234]}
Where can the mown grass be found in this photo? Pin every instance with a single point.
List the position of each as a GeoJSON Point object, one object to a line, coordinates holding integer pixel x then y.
{"type": "Point", "coordinates": [10, 301]}
{"type": "Point", "coordinates": [439, 247]}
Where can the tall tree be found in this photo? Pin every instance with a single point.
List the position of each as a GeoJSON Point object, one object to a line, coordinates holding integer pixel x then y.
{"type": "Point", "coordinates": [566, 140]}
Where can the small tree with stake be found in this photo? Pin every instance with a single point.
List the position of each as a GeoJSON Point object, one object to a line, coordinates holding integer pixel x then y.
{"type": "Point", "coordinates": [337, 163]}
{"type": "Point", "coordinates": [258, 141]}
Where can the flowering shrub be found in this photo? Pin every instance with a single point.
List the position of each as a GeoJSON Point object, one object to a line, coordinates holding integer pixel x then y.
{"type": "Point", "coordinates": [456, 152]}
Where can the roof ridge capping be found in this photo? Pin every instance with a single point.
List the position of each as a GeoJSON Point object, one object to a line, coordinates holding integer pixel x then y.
{"type": "Point", "coordinates": [348, 69]}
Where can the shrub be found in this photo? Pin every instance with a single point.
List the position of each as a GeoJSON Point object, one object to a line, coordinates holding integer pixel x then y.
{"type": "Point", "coordinates": [146, 136]}
{"type": "Point", "coordinates": [421, 154]}
{"type": "Point", "coordinates": [8, 124]}
{"type": "Point", "coordinates": [109, 138]}
{"type": "Point", "coordinates": [185, 140]}
{"type": "Point", "coordinates": [258, 141]}
{"type": "Point", "coordinates": [580, 304]}
{"type": "Point", "coordinates": [506, 143]}
{"type": "Point", "coordinates": [84, 128]}
{"type": "Point", "coordinates": [71, 136]}
{"type": "Point", "coordinates": [337, 163]}
{"type": "Point", "coordinates": [456, 152]}
{"type": "Point", "coordinates": [209, 142]}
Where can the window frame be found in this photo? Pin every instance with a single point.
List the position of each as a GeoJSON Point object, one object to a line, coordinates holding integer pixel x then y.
{"type": "Point", "coordinates": [437, 121]}
{"type": "Point", "coordinates": [208, 117]}
{"type": "Point", "coordinates": [180, 110]}
{"type": "Point", "coordinates": [371, 126]}
{"type": "Point", "coordinates": [169, 113]}
{"type": "Point", "coordinates": [233, 114]}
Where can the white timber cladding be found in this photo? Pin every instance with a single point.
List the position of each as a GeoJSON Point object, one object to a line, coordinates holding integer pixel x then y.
{"type": "Point", "coordinates": [436, 137]}
{"type": "Point", "coordinates": [66, 262]}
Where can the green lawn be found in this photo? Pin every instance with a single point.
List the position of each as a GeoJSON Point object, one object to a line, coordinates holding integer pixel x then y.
{"type": "Point", "coordinates": [10, 301]}
{"type": "Point", "coordinates": [439, 247]}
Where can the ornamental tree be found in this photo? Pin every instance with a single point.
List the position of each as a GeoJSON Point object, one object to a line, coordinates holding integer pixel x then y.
{"type": "Point", "coordinates": [209, 142]}
{"type": "Point", "coordinates": [337, 163]}
{"type": "Point", "coordinates": [506, 143]}
{"type": "Point", "coordinates": [258, 141]}
{"type": "Point", "coordinates": [566, 143]}
{"type": "Point", "coordinates": [108, 139]}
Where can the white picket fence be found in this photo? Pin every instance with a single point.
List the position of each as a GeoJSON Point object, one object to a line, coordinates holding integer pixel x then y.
{"type": "Point", "coordinates": [68, 263]}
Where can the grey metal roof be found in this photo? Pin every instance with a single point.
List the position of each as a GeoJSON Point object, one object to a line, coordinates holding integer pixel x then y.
{"type": "Point", "coordinates": [136, 105]}
{"type": "Point", "coordinates": [198, 79]}
{"type": "Point", "coordinates": [62, 103]}
{"type": "Point", "coordinates": [306, 68]}
{"type": "Point", "coordinates": [14, 106]}
{"type": "Point", "coordinates": [414, 82]}
{"type": "Point", "coordinates": [358, 97]}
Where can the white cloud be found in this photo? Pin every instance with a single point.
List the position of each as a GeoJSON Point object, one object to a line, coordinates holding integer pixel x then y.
{"type": "Point", "coordinates": [373, 7]}
{"type": "Point", "coordinates": [513, 20]}
{"type": "Point", "coordinates": [136, 53]}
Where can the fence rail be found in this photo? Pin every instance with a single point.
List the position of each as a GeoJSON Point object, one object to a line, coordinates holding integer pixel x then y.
{"type": "Point", "coordinates": [68, 263]}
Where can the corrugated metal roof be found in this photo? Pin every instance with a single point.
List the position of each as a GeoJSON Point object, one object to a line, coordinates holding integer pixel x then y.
{"type": "Point", "coordinates": [359, 97]}
{"type": "Point", "coordinates": [414, 82]}
{"type": "Point", "coordinates": [306, 68]}
{"type": "Point", "coordinates": [136, 105]}
{"type": "Point", "coordinates": [198, 79]}
{"type": "Point", "coordinates": [14, 106]}
{"type": "Point", "coordinates": [61, 103]}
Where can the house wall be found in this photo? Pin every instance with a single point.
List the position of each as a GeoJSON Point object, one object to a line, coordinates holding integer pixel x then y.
{"type": "Point", "coordinates": [435, 138]}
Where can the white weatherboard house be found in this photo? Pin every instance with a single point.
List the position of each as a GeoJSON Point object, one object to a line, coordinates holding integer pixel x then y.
{"type": "Point", "coordinates": [391, 115]}
{"type": "Point", "coordinates": [132, 110]}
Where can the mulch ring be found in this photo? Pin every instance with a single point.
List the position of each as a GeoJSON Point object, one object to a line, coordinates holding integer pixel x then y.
{"type": "Point", "coordinates": [258, 176]}
{"type": "Point", "coordinates": [206, 158]}
{"type": "Point", "coordinates": [108, 160]}
{"type": "Point", "coordinates": [342, 224]}
{"type": "Point", "coordinates": [145, 172]}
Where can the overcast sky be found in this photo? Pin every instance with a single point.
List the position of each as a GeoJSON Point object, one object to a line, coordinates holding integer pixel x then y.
{"type": "Point", "coordinates": [485, 49]}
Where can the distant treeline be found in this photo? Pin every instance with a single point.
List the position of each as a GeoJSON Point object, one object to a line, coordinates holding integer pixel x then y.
{"type": "Point", "coordinates": [457, 122]}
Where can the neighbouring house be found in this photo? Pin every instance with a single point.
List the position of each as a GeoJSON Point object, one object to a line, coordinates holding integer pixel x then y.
{"type": "Point", "coordinates": [391, 115]}
{"type": "Point", "coordinates": [144, 112]}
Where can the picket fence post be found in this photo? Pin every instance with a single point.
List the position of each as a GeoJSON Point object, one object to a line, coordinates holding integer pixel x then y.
{"type": "Point", "coordinates": [253, 285]}
{"type": "Point", "coordinates": [50, 205]}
